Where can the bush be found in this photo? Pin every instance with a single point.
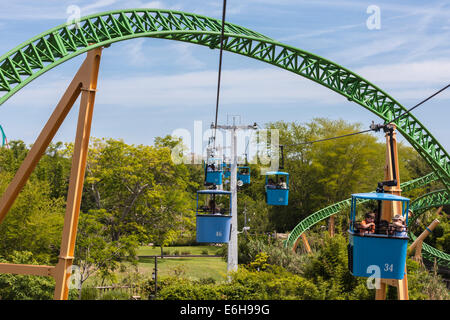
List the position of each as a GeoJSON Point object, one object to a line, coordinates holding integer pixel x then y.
{"type": "Point", "coordinates": [274, 283]}
{"type": "Point", "coordinates": [89, 293]}
{"type": "Point", "coordinates": [424, 284]}
{"type": "Point", "coordinates": [205, 252]}
{"type": "Point", "coordinates": [115, 295]}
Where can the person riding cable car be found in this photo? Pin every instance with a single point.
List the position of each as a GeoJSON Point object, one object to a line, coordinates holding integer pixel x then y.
{"type": "Point", "coordinates": [243, 174]}
{"type": "Point", "coordinates": [213, 223]}
{"type": "Point", "coordinates": [277, 191]}
{"type": "Point", "coordinates": [213, 171]}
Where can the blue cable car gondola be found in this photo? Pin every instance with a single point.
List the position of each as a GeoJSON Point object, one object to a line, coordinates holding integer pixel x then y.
{"type": "Point", "coordinates": [382, 249]}
{"type": "Point", "coordinates": [243, 174]}
{"type": "Point", "coordinates": [213, 223]}
{"type": "Point", "coordinates": [277, 191]}
{"type": "Point", "coordinates": [214, 171]}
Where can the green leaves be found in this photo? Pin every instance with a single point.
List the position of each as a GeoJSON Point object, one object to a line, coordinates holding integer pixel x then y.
{"type": "Point", "coordinates": [24, 287]}
{"type": "Point", "coordinates": [142, 189]}
{"type": "Point", "coordinates": [34, 223]}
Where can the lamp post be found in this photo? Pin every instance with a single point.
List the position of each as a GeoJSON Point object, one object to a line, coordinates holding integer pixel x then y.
{"type": "Point", "coordinates": [155, 275]}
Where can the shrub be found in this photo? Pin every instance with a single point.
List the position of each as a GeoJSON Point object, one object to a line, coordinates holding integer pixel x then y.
{"type": "Point", "coordinates": [424, 284]}
{"type": "Point", "coordinates": [115, 295]}
{"type": "Point", "coordinates": [275, 283]}
{"type": "Point", "coordinates": [89, 293]}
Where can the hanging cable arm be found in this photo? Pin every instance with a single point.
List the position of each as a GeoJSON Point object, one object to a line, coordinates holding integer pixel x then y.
{"type": "Point", "coordinates": [220, 67]}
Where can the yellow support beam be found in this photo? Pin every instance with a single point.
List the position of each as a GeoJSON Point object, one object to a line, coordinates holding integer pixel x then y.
{"type": "Point", "coordinates": [84, 83]}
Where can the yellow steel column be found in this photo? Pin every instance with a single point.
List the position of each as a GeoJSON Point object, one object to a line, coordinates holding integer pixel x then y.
{"type": "Point", "coordinates": [89, 83]}
{"type": "Point", "coordinates": [389, 209]}
{"type": "Point", "coordinates": [331, 226]}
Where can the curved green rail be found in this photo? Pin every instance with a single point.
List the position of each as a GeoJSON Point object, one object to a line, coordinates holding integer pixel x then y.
{"type": "Point", "coordinates": [31, 59]}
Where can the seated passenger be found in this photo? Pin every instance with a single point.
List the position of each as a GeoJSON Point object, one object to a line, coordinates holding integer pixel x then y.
{"type": "Point", "coordinates": [367, 226]}
{"type": "Point", "coordinates": [271, 184]}
{"type": "Point", "coordinates": [383, 227]}
{"type": "Point", "coordinates": [211, 168]}
{"type": "Point", "coordinates": [398, 223]}
{"type": "Point", "coordinates": [282, 184]}
{"type": "Point", "coordinates": [213, 208]}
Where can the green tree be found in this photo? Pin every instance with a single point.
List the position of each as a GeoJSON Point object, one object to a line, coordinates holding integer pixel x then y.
{"type": "Point", "coordinates": [327, 269]}
{"type": "Point", "coordinates": [143, 190]}
{"type": "Point", "coordinates": [34, 222]}
{"type": "Point", "coordinates": [96, 252]}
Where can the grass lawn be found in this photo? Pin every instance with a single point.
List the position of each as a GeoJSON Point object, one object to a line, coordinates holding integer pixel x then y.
{"type": "Point", "coordinates": [195, 250]}
{"type": "Point", "coordinates": [192, 268]}
{"type": "Point", "coordinates": [188, 267]}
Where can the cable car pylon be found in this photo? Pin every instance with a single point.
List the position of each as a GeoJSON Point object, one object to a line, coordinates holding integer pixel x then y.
{"type": "Point", "coordinates": [376, 244]}
{"type": "Point", "coordinates": [391, 208]}
{"type": "Point", "coordinates": [232, 263]}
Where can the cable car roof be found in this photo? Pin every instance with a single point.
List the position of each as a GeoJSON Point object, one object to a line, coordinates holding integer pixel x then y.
{"type": "Point", "coordinates": [379, 196]}
{"type": "Point", "coordinates": [213, 192]}
{"type": "Point", "coordinates": [276, 172]}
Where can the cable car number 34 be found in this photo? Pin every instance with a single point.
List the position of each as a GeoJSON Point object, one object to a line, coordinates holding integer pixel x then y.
{"type": "Point", "coordinates": [389, 267]}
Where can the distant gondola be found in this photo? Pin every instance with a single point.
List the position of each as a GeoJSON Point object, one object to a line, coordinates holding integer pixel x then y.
{"type": "Point", "coordinates": [277, 189]}
{"type": "Point", "coordinates": [213, 222]}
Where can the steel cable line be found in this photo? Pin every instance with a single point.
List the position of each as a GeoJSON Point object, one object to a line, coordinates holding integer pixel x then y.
{"type": "Point", "coordinates": [374, 127]}
{"type": "Point", "coordinates": [220, 68]}
{"type": "Point", "coordinates": [326, 139]}
{"type": "Point", "coordinates": [420, 103]}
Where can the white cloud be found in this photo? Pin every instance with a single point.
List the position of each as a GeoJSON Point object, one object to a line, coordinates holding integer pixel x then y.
{"type": "Point", "coordinates": [409, 80]}
{"type": "Point", "coordinates": [238, 87]}
{"type": "Point", "coordinates": [251, 87]}
{"type": "Point", "coordinates": [185, 56]}
{"type": "Point", "coordinates": [423, 73]}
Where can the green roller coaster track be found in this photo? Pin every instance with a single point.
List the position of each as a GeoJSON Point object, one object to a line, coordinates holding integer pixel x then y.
{"type": "Point", "coordinates": [40, 54]}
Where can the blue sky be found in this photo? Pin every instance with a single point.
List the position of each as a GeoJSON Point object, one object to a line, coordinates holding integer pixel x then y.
{"type": "Point", "coordinates": [150, 87]}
